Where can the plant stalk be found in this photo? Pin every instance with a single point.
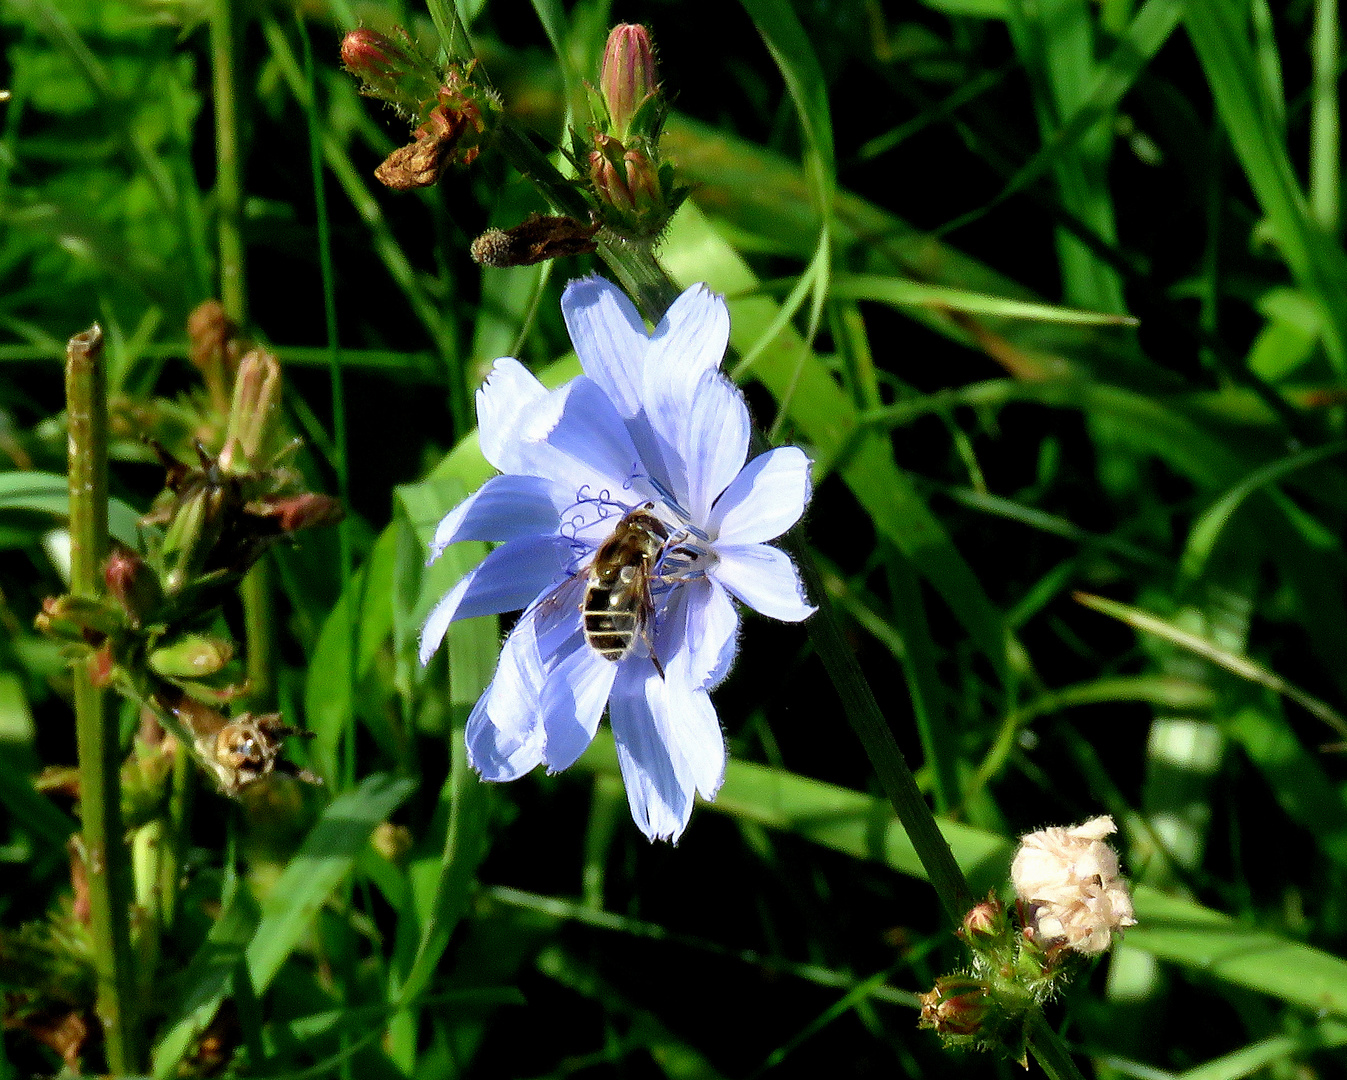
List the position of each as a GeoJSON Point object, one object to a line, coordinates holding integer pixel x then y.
{"type": "Point", "coordinates": [255, 590]}
{"type": "Point", "coordinates": [103, 848]}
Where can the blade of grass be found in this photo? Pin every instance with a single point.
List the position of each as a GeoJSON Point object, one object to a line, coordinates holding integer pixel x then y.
{"type": "Point", "coordinates": [1317, 263]}
{"type": "Point", "coordinates": [310, 877]}
{"type": "Point", "coordinates": [903, 293]}
{"type": "Point", "coordinates": [1325, 133]}
{"type": "Point", "coordinates": [1172, 928]}
{"type": "Point", "coordinates": [1242, 666]}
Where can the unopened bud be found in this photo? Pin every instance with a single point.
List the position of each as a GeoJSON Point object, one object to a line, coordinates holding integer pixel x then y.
{"type": "Point", "coordinates": [391, 69]}
{"type": "Point", "coordinates": [191, 656]}
{"type": "Point", "coordinates": [211, 347]}
{"type": "Point", "coordinates": [627, 76]}
{"type": "Point", "coordinates": [291, 513]}
{"type": "Point", "coordinates": [985, 921]}
{"type": "Point", "coordinates": [610, 183]}
{"type": "Point", "coordinates": [956, 1005]}
{"type": "Point", "coordinates": [133, 584]}
{"type": "Point", "coordinates": [257, 393]}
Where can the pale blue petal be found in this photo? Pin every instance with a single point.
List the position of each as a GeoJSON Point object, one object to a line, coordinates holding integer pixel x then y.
{"type": "Point", "coordinates": [508, 579]}
{"type": "Point", "coordinates": [692, 337]}
{"type": "Point", "coordinates": [609, 339]}
{"type": "Point", "coordinates": [509, 396]}
{"type": "Point", "coordinates": [659, 785]}
{"type": "Point", "coordinates": [764, 500]}
{"type": "Point", "coordinates": [715, 442]}
{"type": "Point", "coordinates": [694, 731]}
{"type": "Point", "coordinates": [588, 449]}
{"type": "Point", "coordinates": [504, 508]}
{"type": "Point", "coordinates": [700, 621]}
{"type": "Point", "coordinates": [688, 343]}
{"type": "Point", "coordinates": [764, 578]}
{"type": "Point", "coordinates": [504, 734]}
{"type": "Point", "coordinates": [573, 699]}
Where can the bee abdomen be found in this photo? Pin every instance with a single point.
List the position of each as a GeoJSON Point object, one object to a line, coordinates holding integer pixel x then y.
{"type": "Point", "coordinates": [609, 631]}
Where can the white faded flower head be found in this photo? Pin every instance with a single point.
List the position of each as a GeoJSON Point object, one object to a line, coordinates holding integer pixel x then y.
{"type": "Point", "coordinates": [1069, 880]}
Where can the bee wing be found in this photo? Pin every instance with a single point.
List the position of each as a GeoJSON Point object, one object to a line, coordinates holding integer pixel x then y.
{"type": "Point", "coordinates": [556, 614]}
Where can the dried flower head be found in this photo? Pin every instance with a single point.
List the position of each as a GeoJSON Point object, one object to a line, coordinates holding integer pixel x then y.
{"type": "Point", "coordinates": [1069, 881]}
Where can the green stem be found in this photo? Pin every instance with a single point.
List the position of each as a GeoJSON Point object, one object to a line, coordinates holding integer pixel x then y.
{"type": "Point", "coordinates": [104, 850]}
{"type": "Point", "coordinates": [345, 555]}
{"type": "Point", "coordinates": [228, 181]}
{"type": "Point", "coordinates": [634, 264]}
{"type": "Point", "coordinates": [255, 591]}
{"type": "Point", "coordinates": [863, 712]}
{"type": "Point", "coordinates": [1049, 1051]}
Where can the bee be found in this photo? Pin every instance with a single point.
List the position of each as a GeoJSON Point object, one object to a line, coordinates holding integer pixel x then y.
{"type": "Point", "coordinates": [617, 607]}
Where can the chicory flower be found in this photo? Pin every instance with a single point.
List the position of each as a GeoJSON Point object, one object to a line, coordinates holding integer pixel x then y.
{"type": "Point", "coordinates": [653, 427]}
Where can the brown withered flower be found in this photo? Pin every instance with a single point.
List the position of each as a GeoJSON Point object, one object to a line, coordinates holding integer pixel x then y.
{"type": "Point", "coordinates": [537, 238]}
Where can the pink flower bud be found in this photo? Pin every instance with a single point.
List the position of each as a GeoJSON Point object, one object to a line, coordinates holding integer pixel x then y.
{"type": "Point", "coordinates": [627, 76]}
{"type": "Point", "coordinates": [609, 183]}
{"type": "Point", "coordinates": [132, 583]}
{"type": "Point", "coordinates": [391, 69]}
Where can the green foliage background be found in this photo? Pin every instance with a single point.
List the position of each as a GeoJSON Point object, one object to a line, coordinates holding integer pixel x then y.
{"type": "Point", "coordinates": [1053, 292]}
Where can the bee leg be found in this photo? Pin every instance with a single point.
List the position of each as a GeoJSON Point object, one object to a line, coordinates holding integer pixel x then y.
{"type": "Point", "coordinates": [658, 666]}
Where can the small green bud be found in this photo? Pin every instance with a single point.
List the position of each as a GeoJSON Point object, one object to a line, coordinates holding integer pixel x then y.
{"type": "Point", "coordinates": [257, 393]}
{"type": "Point", "coordinates": [191, 656]}
{"type": "Point", "coordinates": [958, 1005]}
{"type": "Point", "coordinates": [133, 584]}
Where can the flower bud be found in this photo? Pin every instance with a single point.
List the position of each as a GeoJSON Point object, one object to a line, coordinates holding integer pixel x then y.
{"type": "Point", "coordinates": [133, 584]}
{"type": "Point", "coordinates": [627, 76]}
{"type": "Point", "coordinates": [956, 1005]}
{"type": "Point", "coordinates": [1070, 884]}
{"type": "Point", "coordinates": [257, 393]}
{"type": "Point", "coordinates": [985, 922]}
{"type": "Point", "coordinates": [291, 513]}
{"type": "Point", "coordinates": [191, 656]}
{"type": "Point", "coordinates": [212, 348]}
{"type": "Point", "coordinates": [609, 180]}
{"type": "Point", "coordinates": [391, 69]}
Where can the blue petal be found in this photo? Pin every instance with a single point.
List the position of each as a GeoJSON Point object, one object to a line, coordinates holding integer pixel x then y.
{"type": "Point", "coordinates": [688, 343]}
{"type": "Point", "coordinates": [609, 339]}
{"type": "Point", "coordinates": [504, 737]}
{"type": "Point", "coordinates": [695, 732]}
{"type": "Point", "coordinates": [692, 337]}
{"type": "Point", "coordinates": [659, 784]}
{"type": "Point", "coordinates": [699, 628]}
{"type": "Point", "coordinates": [504, 508]}
{"type": "Point", "coordinates": [573, 699]}
{"type": "Point", "coordinates": [715, 441]}
{"type": "Point", "coordinates": [764, 500]}
{"type": "Point", "coordinates": [764, 578]}
{"type": "Point", "coordinates": [509, 396]}
{"type": "Point", "coordinates": [508, 579]}
{"type": "Point", "coordinates": [589, 448]}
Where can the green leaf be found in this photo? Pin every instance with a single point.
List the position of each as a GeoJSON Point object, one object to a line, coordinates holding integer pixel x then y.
{"type": "Point", "coordinates": [1251, 118]}
{"type": "Point", "coordinates": [1171, 928]}
{"type": "Point", "coordinates": [827, 419]}
{"type": "Point", "coordinates": [321, 864]}
{"type": "Point", "coordinates": [49, 493]}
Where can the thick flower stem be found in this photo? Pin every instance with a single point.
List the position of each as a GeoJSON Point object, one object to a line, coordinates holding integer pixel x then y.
{"type": "Point", "coordinates": [103, 849]}
{"type": "Point", "coordinates": [634, 264]}
{"type": "Point", "coordinates": [867, 720]}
